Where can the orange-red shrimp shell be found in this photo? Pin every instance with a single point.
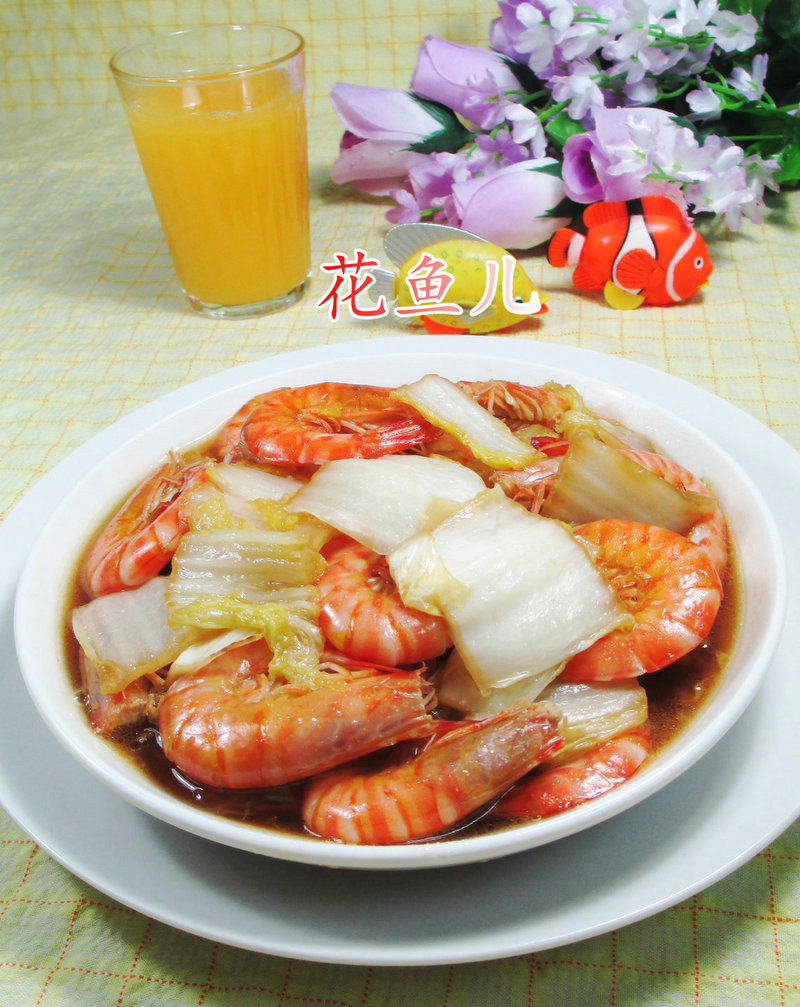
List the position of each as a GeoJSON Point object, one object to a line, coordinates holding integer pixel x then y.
{"type": "Point", "coordinates": [363, 615]}
{"type": "Point", "coordinates": [668, 584]}
{"type": "Point", "coordinates": [319, 423]}
{"type": "Point", "coordinates": [141, 538]}
{"type": "Point", "coordinates": [551, 789]}
{"type": "Point", "coordinates": [230, 726]}
{"type": "Point", "coordinates": [452, 777]}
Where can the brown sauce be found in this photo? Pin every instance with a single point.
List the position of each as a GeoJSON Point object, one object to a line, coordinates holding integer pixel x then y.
{"type": "Point", "coordinates": [674, 694]}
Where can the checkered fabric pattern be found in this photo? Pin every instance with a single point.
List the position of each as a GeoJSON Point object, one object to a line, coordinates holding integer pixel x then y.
{"type": "Point", "coordinates": [93, 325]}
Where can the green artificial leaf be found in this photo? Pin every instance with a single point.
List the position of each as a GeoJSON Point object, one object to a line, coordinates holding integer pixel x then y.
{"type": "Point", "coordinates": [566, 208]}
{"type": "Point", "coordinates": [783, 18]}
{"type": "Point", "coordinates": [451, 137]}
{"type": "Point", "coordinates": [789, 161]}
{"type": "Point", "coordinates": [561, 127]}
{"type": "Point", "coordinates": [754, 7]}
{"type": "Point", "coordinates": [548, 169]}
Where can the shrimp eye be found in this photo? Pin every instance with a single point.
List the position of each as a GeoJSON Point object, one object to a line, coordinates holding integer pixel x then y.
{"type": "Point", "coordinates": [698, 262]}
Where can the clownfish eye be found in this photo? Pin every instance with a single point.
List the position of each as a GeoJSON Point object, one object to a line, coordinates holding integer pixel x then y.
{"type": "Point", "coordinates": [698, 262]}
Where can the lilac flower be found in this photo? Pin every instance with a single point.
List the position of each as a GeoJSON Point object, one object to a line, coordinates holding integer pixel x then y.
{"type": "Point", "coordinates": [431, 182]}
{"type": "Point", "coordinates": [733, 32]}
{"type": "Point", "coordinates": [704, 103]}
{"type": "Point", "coordinates": [428, 188]}
{"type": "Point", "coordinates": [496, 151]}
{"type": "Point", "coordinates": [526, 127]}
{"type": "Point", "coordinates": [482, 204]}
{"type": "Point", "coordinates": [373, 166]}
{"type": "Point", "coordinates": [381, 113]}
{"type": "Point", "coordinates": [643, 151]}
{"type": "Point", "coordinates": [524, 32]}
{"type": "Point", "coordinates": [579, 87]}
{"type": "Point", "coordinates": [470, 81]}
{"type": "Point", "coordinates": [750, 85]}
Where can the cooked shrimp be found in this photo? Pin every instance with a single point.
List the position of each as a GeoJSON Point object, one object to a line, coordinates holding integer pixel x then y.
{"type": "Point", "coordinates": [315, 424]}
{"type": "Point", "coordinates": [453, 776]}
{"type": "Point", "coordinates": [710, 532]}
{"type": "Point", "coordinates": [550, 789]}
{"type": "Point", "coordinates": [511, 401]}
{"type": "Point", "coordinates": [363, 614]}
{"type": "Point", "coordinates": [669, 586]}
{"type": "Point", "coordinates": [141, 538]}
{"type": "Point", "coordinates": [229, 725]}
{"type": "Point", "coordinates": [227, 444]}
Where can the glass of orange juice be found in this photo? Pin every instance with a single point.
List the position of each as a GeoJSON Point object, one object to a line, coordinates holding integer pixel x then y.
{"type": "Point", "coordinates": [218, 117]}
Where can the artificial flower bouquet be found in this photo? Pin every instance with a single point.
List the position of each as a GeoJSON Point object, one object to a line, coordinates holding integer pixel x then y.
{"type": "Point", "coordinates": [580, 102]}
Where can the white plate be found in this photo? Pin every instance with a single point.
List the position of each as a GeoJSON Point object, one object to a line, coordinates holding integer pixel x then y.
{"type": "Point", "coordinates": [716, 816]}
{"type": "Point", "coordinates": [142, 446]}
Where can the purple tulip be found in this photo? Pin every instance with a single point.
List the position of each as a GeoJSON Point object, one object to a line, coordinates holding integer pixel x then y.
{"type": "Point", "coordinates": [510, 206]}
{"type": "Point", "coordinates": [373, 166]}
{"type": "Point", "coordinates": [470, 81]}
{"type": "Point", "coordinates": [382, 113]}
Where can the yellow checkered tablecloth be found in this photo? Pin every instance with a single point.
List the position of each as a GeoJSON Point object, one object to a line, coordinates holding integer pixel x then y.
{"type": "Point", "coordinates": [93, 325]}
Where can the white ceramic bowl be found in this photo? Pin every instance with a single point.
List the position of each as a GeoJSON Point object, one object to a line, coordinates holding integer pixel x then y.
{"type": "Point", "coordinates": [139, 441]}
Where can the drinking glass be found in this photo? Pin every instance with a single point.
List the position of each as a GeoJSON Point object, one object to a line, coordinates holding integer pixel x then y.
{"type": "Point", "coordinates": [218, 117]}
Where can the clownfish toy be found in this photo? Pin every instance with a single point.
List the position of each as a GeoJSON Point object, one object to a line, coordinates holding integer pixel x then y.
{"type": "Point", "coordinates": [638, 252]}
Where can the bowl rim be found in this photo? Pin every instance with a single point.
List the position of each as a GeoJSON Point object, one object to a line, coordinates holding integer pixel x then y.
{"type": "Point", "coordinates": [104, 762]}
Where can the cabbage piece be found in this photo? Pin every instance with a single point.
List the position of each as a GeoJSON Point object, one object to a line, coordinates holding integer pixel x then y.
{"type": "Point", "coordinates": [127, 634]}
{"type": "Point", "coordinates": [243, 562]}
{"type": "Point", "coordinates": [383, 501]}
{"type": "Point", "coordinates": [520, 594]}
{"type": "Point", "coordinates": [595, 482]}
{"type": "Point", "coordinates": [199, 654]}
{"type": "Point", "coordinates": [288, 623]}
{"type": "Point", "coordinates": [448, 407]}
{"type": "Point", "coordinates": [248, 482]}
{"type": "Point", "coordinates": [457, 689]}
{"type": "Point", "coordinates": [211, 509]}
{"type": "Point", "coordinates": [579, 421]}
{"type": "Point", "coordinates": [594, 712]}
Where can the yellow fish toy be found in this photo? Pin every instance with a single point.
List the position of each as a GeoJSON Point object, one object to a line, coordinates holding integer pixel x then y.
{"type": "Point", "coordinates": [453, 281]}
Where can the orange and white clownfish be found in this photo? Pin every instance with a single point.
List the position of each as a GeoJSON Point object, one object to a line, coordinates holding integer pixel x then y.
{"type": "Point", "coordinates": [638, 252]}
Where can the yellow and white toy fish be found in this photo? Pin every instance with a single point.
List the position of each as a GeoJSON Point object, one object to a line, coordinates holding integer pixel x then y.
{"type": "Point", "coordinates": [453, 281]}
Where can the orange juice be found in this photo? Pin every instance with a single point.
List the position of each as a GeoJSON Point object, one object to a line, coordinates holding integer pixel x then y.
{"type": "Point", "coordinates": [227, 167]}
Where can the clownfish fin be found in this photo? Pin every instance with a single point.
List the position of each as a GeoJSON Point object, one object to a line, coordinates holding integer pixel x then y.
{"type": "Point", "coordinates": [634, 269]}
{"type": "Point", "coordinates": [583, 279]}
{"type": "Point", "coordinates": [662, 206]}
{"type": "Point", "coordinates": [604, 213]}
{"type": "Point", "coordinates": [558, 251]}
{"type": "Point", "coordinates": [622, 300]}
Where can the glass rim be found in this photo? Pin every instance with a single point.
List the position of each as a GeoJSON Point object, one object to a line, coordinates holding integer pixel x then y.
{"type": "Point", "coordinates": [119, 73]}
